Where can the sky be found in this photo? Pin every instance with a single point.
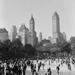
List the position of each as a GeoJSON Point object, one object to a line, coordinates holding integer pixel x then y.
{"type": "Point", "coordinates": [18, 12]}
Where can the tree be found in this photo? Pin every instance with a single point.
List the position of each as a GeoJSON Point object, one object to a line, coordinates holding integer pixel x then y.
{"type": "Point", "coordinates": [66, 48]}
{"type": "Point", "coordinates": [16, 48]}
{"type": "Point", "coordinates": [72, 42]}
{"type": "Point", "coordinates": [4, 48]}
{"type": "Point", "coordinates": [31, 51]}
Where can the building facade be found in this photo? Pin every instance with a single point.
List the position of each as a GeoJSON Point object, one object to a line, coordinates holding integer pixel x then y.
{"type": "Point", "coordinates": [3, 35]}
{"type": "Point", "coordinates": [56, 27]}
{"type": "Point", "coordinates": [14, 32]}
{"type": "Point", "coordinates": [28, 36]}
{"type": "Point", "coordinates": [32, 32]}
{"type": "Point", "coordinates": [23, 34]}
{"type": "Point", "coordinates": [58, 37]}
{"type": "Point", "coordinates": [64, 36]}
{"type": "Point", "coordinates": [40, 37]}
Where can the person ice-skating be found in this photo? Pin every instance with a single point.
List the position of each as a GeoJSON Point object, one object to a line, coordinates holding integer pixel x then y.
{"type": "Point", "coordinates": [49, 71]}
{"type": "Point", "coordinates": [69, 66]}
{"type": "Point", "coordinates": [58, 68]}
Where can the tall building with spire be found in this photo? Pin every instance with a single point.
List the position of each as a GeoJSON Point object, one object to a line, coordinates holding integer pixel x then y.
{"type": "Point", "coordinates": [32, 24]}
{"type": "Point", "coordinates": [32, 33]}
{"type": "Point", "coordinates": [28, 36]}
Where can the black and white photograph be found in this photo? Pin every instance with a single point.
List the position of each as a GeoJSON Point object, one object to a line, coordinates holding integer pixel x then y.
{"type": "Point", "coordinates": [37, 37]}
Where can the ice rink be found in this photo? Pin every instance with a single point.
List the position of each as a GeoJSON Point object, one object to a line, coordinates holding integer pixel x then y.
{"type": "Point", "coordinates": [63, 68]}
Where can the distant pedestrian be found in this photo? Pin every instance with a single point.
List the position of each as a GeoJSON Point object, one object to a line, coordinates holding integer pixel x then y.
{"type": "Point", "coordinates": [43, 65]}
{"type": "Point", "coordinates": [58, 68]}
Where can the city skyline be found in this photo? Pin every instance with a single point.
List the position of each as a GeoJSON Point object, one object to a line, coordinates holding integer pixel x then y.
{"type": "Point", "coordinates": [16, 12]}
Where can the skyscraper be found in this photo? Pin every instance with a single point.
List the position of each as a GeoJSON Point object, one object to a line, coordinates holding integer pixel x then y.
{"type": "Point", "coordinates": [28, 36]}
{"type": "Point", "coordinates": [64, 36]}
{"type": "Point", "coordinates": [32, 24]}
{"type": "Point", "coordinates": [56, 27]}
{"type": "Point", "coordinates": [40, 37]}
{"type": "Point", "coordinates": [23, 34]}
{"type": "Point", "coordinates": [49, 38]}
{"type": "Point", "coordinates": [32, 33]}
{"type": "Point", "coordinates": [14, 32]}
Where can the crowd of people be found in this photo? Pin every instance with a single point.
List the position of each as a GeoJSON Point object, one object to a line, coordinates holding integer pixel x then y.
{"type": "Point", "coordinates": [19, 66]}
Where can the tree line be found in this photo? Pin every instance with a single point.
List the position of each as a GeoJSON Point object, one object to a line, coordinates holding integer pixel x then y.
{"type": "Point", "coordinates": [15, 49]}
